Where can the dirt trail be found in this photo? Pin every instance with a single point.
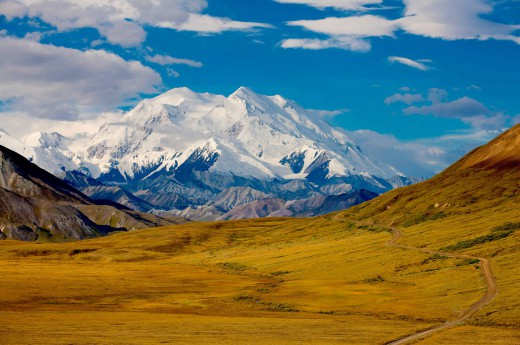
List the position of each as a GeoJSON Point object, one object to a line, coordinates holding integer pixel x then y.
{"type": "Point", "coordinates": [491, 284]}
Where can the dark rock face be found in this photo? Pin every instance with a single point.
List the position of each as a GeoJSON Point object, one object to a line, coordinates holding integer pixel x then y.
{"type": "Point", "coordinates": [313, 206]}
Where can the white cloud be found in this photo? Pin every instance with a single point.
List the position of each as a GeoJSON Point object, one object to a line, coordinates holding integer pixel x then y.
{"type": "Point", "coordinates": [165, 60]}
{"type": "Point", "coordinates": [444, 19]}
{"type": "Point", "coordinates": [12, 9]}
{"type": "Point", "coordinates": [409, 62]}
{"type": "Point", "coordinates": [412, 158]}
{"type": "Point", "coordinates": [20, 124]}
{"type": "Point", "coordinates": [328, 114]}
{"type": "Point", "coordinates": [172, 73]}
{"type": "Point", "coordinates": [349, 33]}
{"type": "Point", "coordinates": [56, 82]}
{"type": "Point", "coordinates": [121, 22]}
{"type": "Point", "coordinates": [338, 4]}
{"type": "Point", "coordinates": [407, 98]}
{"type": "Point", "coordinates": [123, 33]}
{"type": "Point", "coordinates": [421, 157]}
{"type": "Point", "coordinates": [492, 122]}
{"type": "Point", "coordinates": [207, 24]}
{"type": "Point", "coordinates": [451, 20]}
{"type": "Point", "coordinates": [346, 43]}
{"type": "Point", "coordinates": [362, 26]}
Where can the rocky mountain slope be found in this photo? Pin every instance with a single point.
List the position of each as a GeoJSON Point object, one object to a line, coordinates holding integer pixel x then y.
{"type": "Point", "coordinates": [37, 205]}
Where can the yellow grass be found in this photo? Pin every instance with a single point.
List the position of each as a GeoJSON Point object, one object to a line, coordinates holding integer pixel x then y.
{"type": "Point", "coordinates": [275, 281]}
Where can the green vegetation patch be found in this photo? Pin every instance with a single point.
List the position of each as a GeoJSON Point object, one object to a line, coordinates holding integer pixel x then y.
{"type": "Point", "coordinates": [280, 307]}
{"type": "Point", "coordinates": [497, 233]}
{"type": "Point", "coordinates": [466, 262]}
{"type": "Point", "coordinates": [424, 217]}
{"type": "Point", "coordinates": [374, 228]}
{"type": "Point", "coordinates": [434, 257]}
{"type": "Point", "coordinates": [269, 306]}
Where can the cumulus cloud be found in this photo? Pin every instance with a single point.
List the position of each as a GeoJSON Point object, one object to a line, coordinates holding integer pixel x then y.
{"type": "Point", "coordinates": [419, 64]}
{"type": "Point", "coordinates": [56, 82]}
{"type": "Point", "coordinates": [338, 4]}
{"type": "Point", "coordinates": [121, 22]}
{"type": "Point", "coordinates": [451, 20]}
{"type": "Point", "coordinates": [407, 98]}
{"type": "Point", "coordinates": [444, 19]}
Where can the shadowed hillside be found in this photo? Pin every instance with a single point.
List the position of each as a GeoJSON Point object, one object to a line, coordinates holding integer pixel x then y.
{"type": "Point", "coordinates": [37, 205]}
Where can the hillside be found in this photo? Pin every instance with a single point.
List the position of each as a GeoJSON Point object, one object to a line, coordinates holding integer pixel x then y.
{"type": "Point", "coordinates": [471, 208]}
{"type": "Point", "coordinates": [37, 205]}
{"type": "Point", "coordinates": [484, 179]}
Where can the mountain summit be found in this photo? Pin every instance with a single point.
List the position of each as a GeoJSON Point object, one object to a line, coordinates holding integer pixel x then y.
{"type": "Point", "coordinates": [245, 134]}
{"type": "Point", "coordinates": [184, 148]}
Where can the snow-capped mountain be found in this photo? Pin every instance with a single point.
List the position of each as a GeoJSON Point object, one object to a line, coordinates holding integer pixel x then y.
{"type": "Point", "coordinates": [184, 148]}
{"type": "Point", "coordinates": [245, 134]}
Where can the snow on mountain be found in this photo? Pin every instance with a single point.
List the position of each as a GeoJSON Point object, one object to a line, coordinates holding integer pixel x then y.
{"type": "Point", "coordinates": [245, 134]}
{"type": "Point", "coordinates": [15, 145]}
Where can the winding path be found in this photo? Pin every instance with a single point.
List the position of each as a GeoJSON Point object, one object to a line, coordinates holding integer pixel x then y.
{"type": "Point", "coordinates": [491, 292]}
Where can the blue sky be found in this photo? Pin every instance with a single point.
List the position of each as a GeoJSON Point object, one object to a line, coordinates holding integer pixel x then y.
{"type": "Point", "coordinates": [416, 82]}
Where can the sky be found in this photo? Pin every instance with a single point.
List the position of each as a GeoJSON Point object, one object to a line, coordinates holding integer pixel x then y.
{"type": "Point", "coordinates": [417, 83]}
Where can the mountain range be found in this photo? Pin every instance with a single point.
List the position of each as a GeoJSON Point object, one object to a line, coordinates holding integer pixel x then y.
{"type": "Point", "coordinates": [183, 153]}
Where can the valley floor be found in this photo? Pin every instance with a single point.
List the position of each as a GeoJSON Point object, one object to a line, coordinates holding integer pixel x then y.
{"type": "Point", "coordinates": [271, 281]}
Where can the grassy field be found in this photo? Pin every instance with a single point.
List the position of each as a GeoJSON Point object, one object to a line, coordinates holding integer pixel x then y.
{"type": "Point", "coordinates": [272, 281]}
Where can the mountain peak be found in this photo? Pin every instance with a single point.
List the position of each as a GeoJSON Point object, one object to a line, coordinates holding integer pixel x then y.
{"type": "Point", "coordinates": [176, 96]}
{"type": "Point", "coordinates": [244, 91]}
{"type": "Point", "coordinates": [247, 95]}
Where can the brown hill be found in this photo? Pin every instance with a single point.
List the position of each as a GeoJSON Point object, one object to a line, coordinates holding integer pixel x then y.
{"type": "Point", "coordinates": [486, 177]}
{"type": "Point", "coordinates": [501, 153]}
